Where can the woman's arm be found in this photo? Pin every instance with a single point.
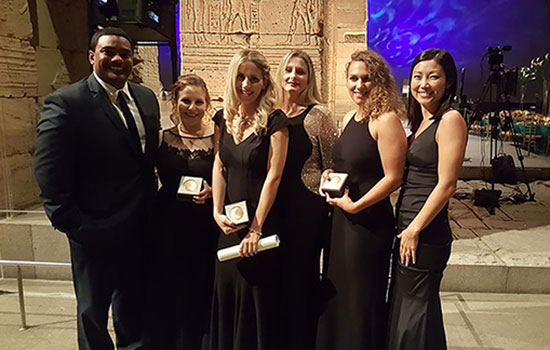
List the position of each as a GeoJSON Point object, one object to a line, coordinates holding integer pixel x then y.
{"type": "Point", "coordinates": [392, 146]}
{"type": "Point", "coordinates": [327, 135]}
{"type": "Point", "coordinates": [453, 134]}
{"type": "Point", "coordinates": [278, 147]}
{"type": "Point", "coordinates": [218, 195]}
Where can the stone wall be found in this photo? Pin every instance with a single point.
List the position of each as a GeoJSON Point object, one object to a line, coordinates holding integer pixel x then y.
{"type": "Point", "coordinates": [212, 30]}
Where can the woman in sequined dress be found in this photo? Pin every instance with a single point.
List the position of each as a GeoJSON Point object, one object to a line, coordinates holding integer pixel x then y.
{"type": "Point", "coordinates": [187, 233]}
{"type": "Point", "coordinates": [304, 213]}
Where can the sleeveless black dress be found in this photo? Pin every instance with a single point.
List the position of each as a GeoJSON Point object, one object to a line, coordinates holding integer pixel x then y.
{"type": "Point", "coordinates": [245, 309]}
{"type": "Point", "coordinates": [416, 320]}
{"type": "Point", "coordinates": [359, 253]}
{"type": "Point", "coordinates": [186, 245]}
{"type": "Point", "coordinates": [305, 224]}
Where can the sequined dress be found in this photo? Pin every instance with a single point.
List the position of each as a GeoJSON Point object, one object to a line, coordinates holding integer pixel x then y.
{"type": "Point", "coordinates": [185, 246]}
{"type": "Point", "coordinates": [305, 221]}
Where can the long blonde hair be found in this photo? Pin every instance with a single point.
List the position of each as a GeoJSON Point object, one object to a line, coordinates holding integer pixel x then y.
{"type": "Point", "coordinates": [311, 93]}
{"type": "Point", "coordinates": [383, 96]}
{"type": "Point", "coordinates": [267, 96]}
{"type": "Point", "coordinates": [183, 82]}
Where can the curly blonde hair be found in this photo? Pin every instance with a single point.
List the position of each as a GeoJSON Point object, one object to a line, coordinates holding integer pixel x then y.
{"type": "Point", "coordinates": [383, 96]}
{"type": "Point", "coordinates": [231, 99]}
{"type": "Point", "coordinates": [183, 82]}
{"type": "Point", "coordinates": [311, 93]}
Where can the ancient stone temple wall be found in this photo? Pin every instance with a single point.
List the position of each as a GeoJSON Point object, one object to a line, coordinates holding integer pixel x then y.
{"type": "Point", "coordinates": [212, 31]}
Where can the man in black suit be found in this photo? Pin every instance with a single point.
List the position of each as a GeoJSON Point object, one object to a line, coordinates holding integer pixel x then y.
{"type": "Point", "coordinates": [95, 150]}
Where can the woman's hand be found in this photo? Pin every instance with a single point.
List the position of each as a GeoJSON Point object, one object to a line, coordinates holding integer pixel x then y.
{"type": "Point", "coordinates": [204, 194]}
{"type": "Point", "coordinates": [249, 244]}
{"type": "Point", "coordinates": [345, 203]}
{"type": "Point", "coordinates": [324, 177]}
{"type": "Point", "coordinates": [408, 245]}
{"type": "Point", "coordinates": [226, 225]}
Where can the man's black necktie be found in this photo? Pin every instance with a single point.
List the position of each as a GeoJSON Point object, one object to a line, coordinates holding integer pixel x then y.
{"type": "Point", "coordinates": [130, 121]}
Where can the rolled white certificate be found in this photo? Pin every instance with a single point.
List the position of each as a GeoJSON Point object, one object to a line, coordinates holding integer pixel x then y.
{"type": "Point", "coordinates": [232, 252]}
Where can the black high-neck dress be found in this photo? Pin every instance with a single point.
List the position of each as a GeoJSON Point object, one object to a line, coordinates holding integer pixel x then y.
{"type": "Point", "coordinates": [185, 247]}
{"type": "Point", "coordinates": [416, 320]}
{"type": "Point", "coordinates": [245, 309]}
{"type": "Point", "coordinates": [305, 222]}
{"type": "Point", "coordinates": [359, 252]}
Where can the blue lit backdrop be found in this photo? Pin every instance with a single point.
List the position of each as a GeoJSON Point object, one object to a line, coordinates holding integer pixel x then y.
{"type": "Point", "coordinates": [401, 29]}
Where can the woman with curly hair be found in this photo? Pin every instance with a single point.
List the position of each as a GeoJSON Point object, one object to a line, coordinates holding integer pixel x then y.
{"type": "Point", "coordinates": [371, 150]}
{"type": "Point", "coordinates": [248, 167]}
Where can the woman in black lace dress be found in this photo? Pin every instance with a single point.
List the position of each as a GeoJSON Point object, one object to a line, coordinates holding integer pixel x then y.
{"type": "Point", "coordinates": [434, 161]}
{"type": "Point", "coordinates": [304, 213]}
{"type": "Point", "coordinates": [187, 232]}
{"type": "Point", "coordinates": [371, 150]}
{"type": "Point", "coordinates": [248, 166]}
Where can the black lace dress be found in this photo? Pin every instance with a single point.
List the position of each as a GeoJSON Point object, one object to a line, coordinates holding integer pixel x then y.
{"type": "Point", "coordinates": [245, 309]}
{"type": "Point", "coordinates": [359, 252]}
{"type": "Point", "coordinates": [185, 246]}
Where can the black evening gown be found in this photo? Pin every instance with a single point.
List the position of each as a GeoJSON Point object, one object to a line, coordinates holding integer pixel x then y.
{"type": "Point", "coordinates": [185, 250]}
{"type": "Point", "coordinates": [245, 309]}
{"type": "Point", "coordinates": [416, 320]}
{"type": "Point", "coordinates": [305, 225]}
{"type": "Point", "coordinates": [359, 253]}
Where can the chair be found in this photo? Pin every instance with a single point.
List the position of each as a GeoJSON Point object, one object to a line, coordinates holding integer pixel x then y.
{"type": "Point", "coordinates": [529, 137]}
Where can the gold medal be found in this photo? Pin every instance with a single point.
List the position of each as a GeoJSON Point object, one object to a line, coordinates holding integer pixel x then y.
{"type": "Point", "coordinates": [190, 185]}
{"type": "Point", "coordinates": [237, 213]}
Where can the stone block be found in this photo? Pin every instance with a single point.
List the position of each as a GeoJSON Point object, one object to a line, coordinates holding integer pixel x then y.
{"type": "Point", "coordinates": [21, 183]}
{"type": "Point", "coordinates": [521, 248]}
{"type": "Point", "coordinates": [475, 278]}
{"type": "Point", "coordinates": [50, 245]}
{"type": "Point", "coordinates": [18, 72]}
{"type": "Point", "coordinates": [48, 61]}
{"type": "Point", "coordinates": [18, 122]}
{"type": "Point", "coordinates": [528, 279]}
{"type": "Point", "coordinates": [474, 252]}
{"type": "Point", "coordinates": [16, 244]}
{"type": "Point", "coordinates": [15, 19]}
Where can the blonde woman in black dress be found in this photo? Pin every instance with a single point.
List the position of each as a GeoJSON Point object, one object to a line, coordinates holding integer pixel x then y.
{"type": "Point", "coordinates": [434, 162]}
{"type": "Point", "coordinates": [249, 164]}
{"type": "Point", "coordinates": [371, 150]}
{"type": "Point", "coordinates": [304, 213]}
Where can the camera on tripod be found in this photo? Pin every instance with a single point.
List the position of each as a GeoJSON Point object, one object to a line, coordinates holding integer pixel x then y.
{"type": "Point", "coordinates": [496, 56]}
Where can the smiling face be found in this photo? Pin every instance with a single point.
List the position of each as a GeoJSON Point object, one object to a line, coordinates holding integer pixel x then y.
{"type": "Point", "coordinates": [358, 82]}
{"type": "Point", "coordinates": [112, 60]}
{"type": "Point", "coordinates": [249, 84]}
{"type": "Point", "coordinates": [428, 84]}
{"type": "Point", "coordinates": [295, 76]}
{"type": "Point", "coordinates": [191, 105]}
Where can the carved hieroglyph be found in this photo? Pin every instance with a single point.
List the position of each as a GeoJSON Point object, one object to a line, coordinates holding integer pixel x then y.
{"type": "Point", "coordinates": [212, 30]}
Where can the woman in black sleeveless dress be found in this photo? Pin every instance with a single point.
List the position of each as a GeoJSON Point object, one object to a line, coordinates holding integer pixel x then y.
{"type": "Point", "coordinates": [434, 161]}
{"type": "Point", "coordinates": [303, 212]}
{"type": "Point", "coordinates": [371, 150]}
{"type": "Point", "coordinates": [187, 231]}
{"type": "Point", "coordinates": [248, 166]}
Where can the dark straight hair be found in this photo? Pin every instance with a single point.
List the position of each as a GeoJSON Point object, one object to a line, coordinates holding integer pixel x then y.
{"type": "Point", "coordinates": [445, 60]}
{"type": "Point", "coordinates": [109, 31]}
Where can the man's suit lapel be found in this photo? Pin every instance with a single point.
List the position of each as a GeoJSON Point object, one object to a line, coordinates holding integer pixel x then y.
{"type": "Point", "coordinates": [101, 99]}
